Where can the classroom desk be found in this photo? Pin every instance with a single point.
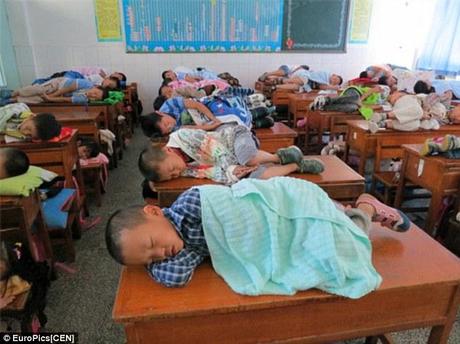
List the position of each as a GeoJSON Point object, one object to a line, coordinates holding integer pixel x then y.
{"type": "Point", "coordinates": [339, 180]}
{"type": "Point", "coordinates": [439, 175]}
{"type": "Point", "coordinates": [26, 212]}
{"type": "Point", "coordinates": [278, 136]}
{"type": "Point", "coordinates": [60, 157]}
{"type": "Point", "coordinates": [85, 122]}
{"type": "Point", "coordinates": [280, 97]}
{"type": "Point", "coordinates": [361, 140]}
{"type": "Point", "coordinates": [298, 106]}
{"type": "Point", "coordinates": [421, 288]}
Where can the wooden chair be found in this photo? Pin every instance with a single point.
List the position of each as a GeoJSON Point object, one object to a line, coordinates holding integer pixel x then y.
{"type": "Point", "coordinates": [389, 147]}
{"type": "Point", "coordinates": [92, 180]}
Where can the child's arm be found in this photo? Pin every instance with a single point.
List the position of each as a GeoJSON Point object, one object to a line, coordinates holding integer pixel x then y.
{"type": "Point", "coordinates": [231, 175]}
{"type": "Point", "coordinates": [190, 78]}
{"type": "Point", "coordinates": [176, 271]}
{"type": "Point", "coordinates": [193, 104]}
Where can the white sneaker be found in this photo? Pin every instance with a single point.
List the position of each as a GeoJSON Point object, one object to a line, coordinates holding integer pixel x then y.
{"type": "Point", "coordinates": [429, 124]}
{"type": "Point", "coordinates": [378, 117]}
{"type": "Point", "coordinates": [318, 103]}
{"type": "Point", "coordinates": [256, 97]}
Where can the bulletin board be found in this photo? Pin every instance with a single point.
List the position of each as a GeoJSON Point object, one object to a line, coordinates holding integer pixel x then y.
{"type": "Point", "coordinates": [203, 25]}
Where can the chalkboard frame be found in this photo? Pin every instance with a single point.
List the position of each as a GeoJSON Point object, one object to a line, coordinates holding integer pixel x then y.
{"type": "Point", "coordinates": [339, 47]}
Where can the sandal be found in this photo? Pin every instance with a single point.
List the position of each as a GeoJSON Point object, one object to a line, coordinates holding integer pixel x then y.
{"type": "Point", "coordinates": [389, 217]}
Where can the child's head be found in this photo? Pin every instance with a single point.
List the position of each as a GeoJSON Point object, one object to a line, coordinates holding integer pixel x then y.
{"type": "Point", "coordinates": [87, 148]}
{"type": "Point", "coordinates": [13, 162]}
{"type": "Point", "coordinates": [157, 124]}
{"type": "Point", "coordinates": [335, 80]}
{"type": "Point", "coordinates": [169, 74]}
{"type": "Point", "coordinates": [363, 74]}
{"type": "Point", "coordinates": [159, 164]}
{"type": "Point", "coordinates": [118, 75]}
{"type": "Point", "coordinates": [111, 83]}
{"type": "Point", "coordinates": [165, 91]}
{"type": "Point", "coordinates": [42, 126]}
{"type": "Point", "coordinates": [387, 80]}
{"type": "Point", "coordinates": [423, 87]}
{"type": "Point", "coordinates": [393, 98]}
{"type": "Point", "coordinates": [140, 235]}
{"type": "Point", "coordinates": [454, 115]}
{"type": "Point", "coordinates": [97, 93]}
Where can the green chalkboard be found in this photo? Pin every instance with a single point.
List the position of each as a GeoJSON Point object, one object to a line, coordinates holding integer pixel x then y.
{"type": "Point", "coordinates": [315, 25]}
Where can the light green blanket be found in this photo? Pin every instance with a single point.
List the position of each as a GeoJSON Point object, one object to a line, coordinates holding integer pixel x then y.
{"type": "Point", "coordinates": [24, 184]}
{"type": "Point", "coordinates": [284, 235]}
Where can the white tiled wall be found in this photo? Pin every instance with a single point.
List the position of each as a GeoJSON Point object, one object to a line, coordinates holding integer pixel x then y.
{"type": "Point", "coordinates": [54, 35]}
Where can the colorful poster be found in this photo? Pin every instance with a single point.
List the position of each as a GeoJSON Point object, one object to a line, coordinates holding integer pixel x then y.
{"type": "Point", "coordinates": [107, 20]}
{"type": "Point", "coordinates": [360, 21]}
{"type": "Point", "coordinates": [203, 25]}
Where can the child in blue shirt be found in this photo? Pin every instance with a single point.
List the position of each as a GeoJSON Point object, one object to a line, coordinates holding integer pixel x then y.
{"type": "Point", "coordinates": [78, 91]}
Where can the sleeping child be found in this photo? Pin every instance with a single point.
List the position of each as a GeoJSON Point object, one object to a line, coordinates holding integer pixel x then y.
{"type": "Point", "coordinates": [13, 162]}
{"type": "Point", "coordinates": [262, 237]}
{"type": "Point", "coordinates": [16, 120]}
{"type": "Point", "coordinates": [412, 112]}
{"type": "Point", "coordinates": [78, 91]}
{"type": "Point", "coordinates": [224, 156]}
{"type": "Point", "coordinates": [306, 80]}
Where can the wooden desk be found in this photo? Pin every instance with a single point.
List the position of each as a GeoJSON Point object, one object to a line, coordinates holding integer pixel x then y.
{"type": "Point", "coordinates": [421, 287]}
{"type": "Point", "coordinates": [298, 104]}
{"type": "Point", "coordinates": [278, 136]}
{"type": "Point", "coordinates": [280, 97]}
{"type": "Point", "coordinates": [23, 212]}
{"type": "Point", "coordinates": [60, 157]}
{"type": "Point", "coordinates": [339, 180]}
{"type": "Point", "coordinates": [85, 122]}
{"type": "Point", "coordinates": [439, 175]}
{"type": "Point", "coordinates": [361, 140]}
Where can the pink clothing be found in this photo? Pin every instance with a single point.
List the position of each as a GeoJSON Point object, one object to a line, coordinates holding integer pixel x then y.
{"type": "Point", "coordinates": [220, 84]}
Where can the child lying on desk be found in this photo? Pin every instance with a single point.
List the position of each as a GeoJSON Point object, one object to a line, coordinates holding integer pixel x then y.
{"type": "Point", "coordinates": [412, 112]}
{"type": "Point", "coordinates": [352, 99]}
{"type": "Point", "coordinates": [306, 80]}
{"type": "Point", "coordinates": [13, 162]}
{"type": "Point", "coordinates": [189, 75]}
{"type": "Point", "coordinates": [78, 91]}
{"type": "Point", "coordinates": [273, 236]}
{"type": "Point", "coordinates": [16, 120]}
{"type": "Point", "coordinates": [224, 156]}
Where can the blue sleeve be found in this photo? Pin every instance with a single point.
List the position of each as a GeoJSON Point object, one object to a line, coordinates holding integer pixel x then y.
{"type": "Point", "coordinates": [68, 82]}
{"type": "Point", "coordinates": [177, 271]}
{"type": "Point", "coordinates": [83, 84]}
{"type": "Point", "coordinates": [173, 107]}
{"type": "Point", "coordinates": [79, 99]}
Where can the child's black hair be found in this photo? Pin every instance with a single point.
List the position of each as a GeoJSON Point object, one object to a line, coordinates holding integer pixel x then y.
{"type": "Point", "coordinates": [159, 101]}
{"type": "Point", "coordinates": [92, 145]}
{"type": "Point", "coordinates": [123, 219]}
{"type": "Point", "coordinates": [123, 76]}
{"type": "Point", "coordinates": [150, 125]}
{"type": "Point", "coordinates": [16, 161]}
{"type": "Point", "coordinates": [340, 79]}
{"type": "Point", "coordinates": [163, 74]}
{"type": "Point", "coordinates": [304, 67]}
{"type": "Point", "coordinates": [383, 80]}
{"type": "Point", "coordinates": [363, 74]}
{"type": "Point", "coordinates": [47, 126]}
{"type": "Point", "coordinates": [148, 162]}
{"type": "Point", "coordinates": [422, 87]}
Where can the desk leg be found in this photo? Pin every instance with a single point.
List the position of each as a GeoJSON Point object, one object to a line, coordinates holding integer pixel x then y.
{"type": "Point", "coordinates": [440, 334]}
{"type": "Point", "coordinates": [402, 182]}
{"type": "Point", "coordinates": [433, 211]}
{"type": "Point", "coordinates": [362, 161]}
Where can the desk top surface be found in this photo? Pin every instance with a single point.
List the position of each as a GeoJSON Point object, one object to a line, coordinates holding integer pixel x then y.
{"type": "Point", "coordinates": [364, 126]}
{"type": "Point", "coordinates": [403, 259]}
{"type": "Point", "coordinates": [416, 148]}
{"type": "Point", "coordinates": [336, 171]}
{"type": "Point", "coordinates": [279, 129]}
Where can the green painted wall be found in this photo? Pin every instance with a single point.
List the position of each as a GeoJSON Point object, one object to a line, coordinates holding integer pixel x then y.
{"type": "Point", "coordinates": [7, 55]}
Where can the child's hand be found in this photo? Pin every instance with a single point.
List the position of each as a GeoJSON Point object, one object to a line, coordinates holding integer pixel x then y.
{"type": "Point", "coordinates": [5, 301]}
{"type": "Point", "coordinates": [241, 171]}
